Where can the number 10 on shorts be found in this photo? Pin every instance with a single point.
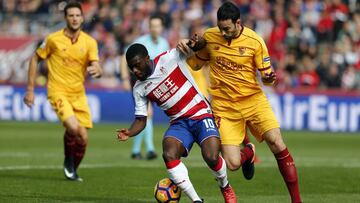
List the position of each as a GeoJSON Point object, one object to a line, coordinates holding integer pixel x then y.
{"type": "Point", "coordinates": [209, 123]}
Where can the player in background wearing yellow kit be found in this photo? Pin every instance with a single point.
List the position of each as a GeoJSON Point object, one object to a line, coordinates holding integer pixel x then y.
{"type": "Point", "coordinates": [70, 55]}
{"type": "Point", "coordinates": [235, 53]}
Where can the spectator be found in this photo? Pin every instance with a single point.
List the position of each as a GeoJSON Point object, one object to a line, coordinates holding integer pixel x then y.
{"type": "Point", "coordinates": [308, 76]}
{"type": "Point", "coordinates": [333, 79]}
{"type": "Point", "coordinates": [301, 27]}
{"type": "Point", "coordinates": [348, 80]}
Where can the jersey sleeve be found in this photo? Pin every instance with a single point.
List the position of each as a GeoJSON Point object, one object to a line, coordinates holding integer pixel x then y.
{"type": "Point", "coordinates": [44, 50]}
{"type": "Point", "coordinates": [93, 51]}
{"type": "Point", "coordinates": [140, 102]}
{"type": "Point", "coordinates": [262, 58]}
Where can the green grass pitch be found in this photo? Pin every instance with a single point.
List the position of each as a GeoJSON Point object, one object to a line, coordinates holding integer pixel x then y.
{"type": "Point", "coordinates": [31, 157]}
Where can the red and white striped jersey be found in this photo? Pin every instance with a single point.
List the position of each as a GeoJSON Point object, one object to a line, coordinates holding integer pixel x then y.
{"type": "Point", "coordinates": [172, 88]}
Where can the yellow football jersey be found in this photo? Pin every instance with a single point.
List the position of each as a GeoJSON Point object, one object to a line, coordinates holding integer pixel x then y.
{"type": "Point", "coordinates": [67, 61]}
{"type": "Point", "coordinates": [233, 64]}
{"type": "Point", "coordinates": [201, 82]}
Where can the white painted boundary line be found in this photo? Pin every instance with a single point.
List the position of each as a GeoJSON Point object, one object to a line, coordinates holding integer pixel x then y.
{"type": "Point", "coordinates": [146, 164]}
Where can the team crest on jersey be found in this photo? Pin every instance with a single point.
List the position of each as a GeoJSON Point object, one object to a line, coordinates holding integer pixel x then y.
{"type": "Point", "coordinates": [162, 70]}
{"type": "Point", "coordinates": [148, 85]}
{"type": "Point", "coordinates": [242, 50]}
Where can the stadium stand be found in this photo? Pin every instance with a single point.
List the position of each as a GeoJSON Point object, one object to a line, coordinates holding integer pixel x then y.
{"type": "Point", "coordinates": [312, 43]}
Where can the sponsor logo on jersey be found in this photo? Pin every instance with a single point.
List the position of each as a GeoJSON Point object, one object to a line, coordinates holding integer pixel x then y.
{"type": "Point", "coordinates": [227, 64]}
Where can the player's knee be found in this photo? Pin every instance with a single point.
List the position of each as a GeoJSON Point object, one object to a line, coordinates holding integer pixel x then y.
{"type": "Point", "coordinates": [81, 135]}
{"type": "Point", "coordinates": [169, 156]}
{"type": "Point", "coordinates": [83, 140]}
{"type": "Point", "coordinates": [211, 159]}
{"type": "Point", "coordinates": [73, 130]}
{"type": "Point", "coordinates": [232, 165]}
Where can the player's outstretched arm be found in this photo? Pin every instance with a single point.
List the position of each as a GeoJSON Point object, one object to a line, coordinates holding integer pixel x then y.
{"type": "Point", "coordinates": [29, 95]}
{"type": "Point", "coordinates": [136, 127]}
{"type": "Point", "coordinates": [94, 69]}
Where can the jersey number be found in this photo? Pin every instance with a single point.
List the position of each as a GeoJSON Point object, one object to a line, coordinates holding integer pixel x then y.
{"type": "Point", "coordinates": [209, 123]}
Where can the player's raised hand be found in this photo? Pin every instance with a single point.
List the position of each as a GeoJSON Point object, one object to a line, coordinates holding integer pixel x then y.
{"type": "Point", "coordinates": [94, 71]}
{"type": "Point", "coordinates": [187, 46]}
{"type": "Point", "coordinates": [183, 47]}
{"type": "Point", "coordinates": [29, 98]}
{"type": "Point", "coordinates": [269, 78]}
{"type": "Point", "coordinates": [196, 43]}
{"type": "Point", "coordinates": [123, 134]}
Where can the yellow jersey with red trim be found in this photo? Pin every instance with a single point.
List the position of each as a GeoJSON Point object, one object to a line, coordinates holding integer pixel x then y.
{"type": "Point", "coordinates": [234, 63]}
{"type": "Point", "coordinates": [67, 61]}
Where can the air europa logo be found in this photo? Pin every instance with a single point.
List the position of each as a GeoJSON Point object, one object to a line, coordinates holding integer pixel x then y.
{"type": "Point", "coordinates": [12, 107]}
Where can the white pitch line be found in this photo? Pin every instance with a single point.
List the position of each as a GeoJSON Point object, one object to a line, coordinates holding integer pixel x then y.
{"type": "Point", "coordinates": [15, 154]}
{"type": "Point", "coordinates": [146, 164]}
{"type": "Point", "coordinates": [41, 167]}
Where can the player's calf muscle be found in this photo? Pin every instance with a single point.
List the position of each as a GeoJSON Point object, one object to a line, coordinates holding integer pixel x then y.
{"type": "Point", "coordinates": [274, 140]}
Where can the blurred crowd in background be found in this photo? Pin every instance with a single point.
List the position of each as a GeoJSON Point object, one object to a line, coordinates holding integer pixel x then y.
{"type": "Point", "coordinates": [312, 43]}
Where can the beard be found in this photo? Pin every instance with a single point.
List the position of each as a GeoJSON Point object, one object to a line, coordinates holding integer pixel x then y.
{"type": "Point", "coordinates": [228, 37]}
{"type": "Point", "coordinates": [73, 29]}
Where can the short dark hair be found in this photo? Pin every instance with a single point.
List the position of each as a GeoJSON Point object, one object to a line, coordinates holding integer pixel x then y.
{"type": "Point", "coordinates": [72, 4]}
{"type": "Point", "coordinates": [228, 11]}
{"type": "Point", "coordinates": [136, 50]}
{"type": "Point", "coordinates": [157, 16]}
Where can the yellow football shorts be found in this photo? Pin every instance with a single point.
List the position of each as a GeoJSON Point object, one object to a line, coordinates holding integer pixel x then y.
{"type": "Point", "coordinates": [69, 105]}
{"type": "Point", "coordinates": [232, 118]}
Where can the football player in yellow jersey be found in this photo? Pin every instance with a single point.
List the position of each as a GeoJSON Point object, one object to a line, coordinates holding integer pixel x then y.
{"type": "Point", "coordinates": [70, 55]}
{"type": "Point", "coordinates": [235, 53]}
{"type": "Point", "coordinates": [201, 81]}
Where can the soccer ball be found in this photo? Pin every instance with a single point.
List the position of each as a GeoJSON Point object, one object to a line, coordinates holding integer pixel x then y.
{"type": "Point", "coordinates": [166, 191]}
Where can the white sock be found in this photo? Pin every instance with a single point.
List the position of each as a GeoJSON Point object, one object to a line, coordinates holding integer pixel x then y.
{"type": "Point", "coordinates": [179, 174]}
{"type": "Point", "coordinates": [221, 174]}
